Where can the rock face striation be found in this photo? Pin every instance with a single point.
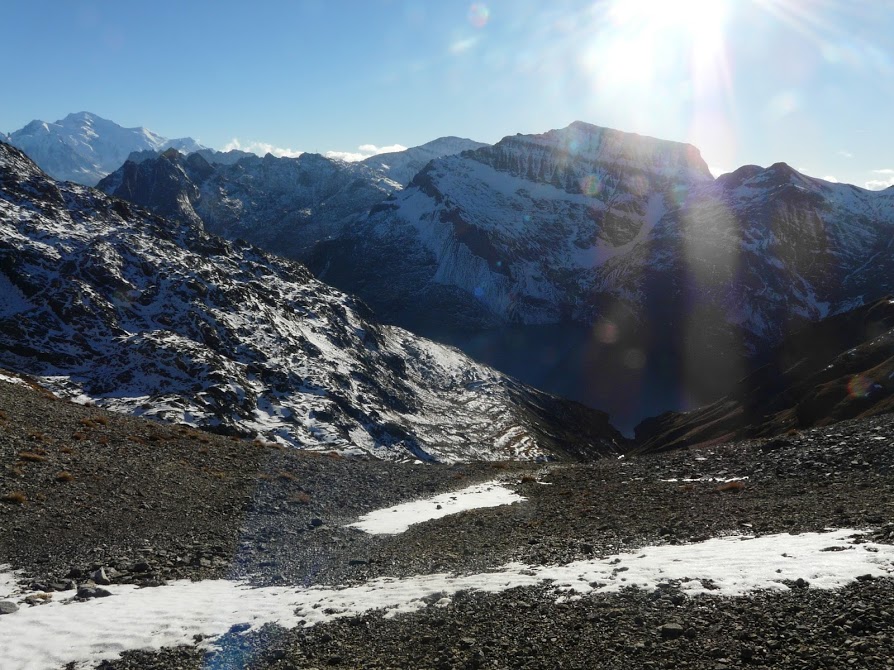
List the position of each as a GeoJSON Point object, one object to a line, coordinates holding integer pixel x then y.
{"type": "Point", "coordinates": [84, 148]}
{"type": "Point", "coordinates": [152, 316]}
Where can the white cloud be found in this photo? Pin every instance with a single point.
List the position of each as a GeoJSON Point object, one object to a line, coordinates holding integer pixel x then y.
{"type": "Point", "coordinates": [261, 149]}
{"type": "Point", "coordinates": [846, 154]}
{"type": "Point", "coordinates": [879, 184]}
{"type": "Point", "coordinates": [830, 178]}
{"type": "Point", "coordinates": [364, 151]}
{"type": "Point", "coordinates": [463, 45]}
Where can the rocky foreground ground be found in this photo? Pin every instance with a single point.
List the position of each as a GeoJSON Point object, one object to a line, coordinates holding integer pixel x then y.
{"type": "Point", "coordinates": [92, 497]}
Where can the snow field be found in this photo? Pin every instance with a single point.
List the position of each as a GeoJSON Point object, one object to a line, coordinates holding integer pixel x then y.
{"type": "Point", "coordinates": [48, 636]}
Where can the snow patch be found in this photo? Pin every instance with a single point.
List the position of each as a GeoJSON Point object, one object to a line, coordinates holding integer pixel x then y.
{"type": "Point", "coordinates": [397, 519]}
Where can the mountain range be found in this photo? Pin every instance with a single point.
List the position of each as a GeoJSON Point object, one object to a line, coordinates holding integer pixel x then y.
{"type": "Point", "coordinates": [605, 266]}
{"type": "Point", "coordinates": [84, 147]}
{"type": "Point", "coordinates": [103, 301]}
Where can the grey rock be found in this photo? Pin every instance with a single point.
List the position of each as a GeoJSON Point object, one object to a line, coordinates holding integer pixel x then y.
{"type": "Point", "coordinates": [88, 592]}
{"type": "Point", "coordinates": [100, 577]}
{"type": "Point", "coordinates": [8, 607]}
{"type": "Point", "coordinates": [671, 631]}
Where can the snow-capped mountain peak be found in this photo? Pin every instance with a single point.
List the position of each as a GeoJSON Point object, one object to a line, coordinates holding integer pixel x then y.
{"type": "Point", "coordinates": [84, 147]}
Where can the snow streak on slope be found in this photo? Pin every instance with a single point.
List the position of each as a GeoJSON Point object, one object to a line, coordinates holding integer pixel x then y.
{"type": "Point", "coordinates": [157, 318]}
{"type": "Point", "coordinates": [397, 519]}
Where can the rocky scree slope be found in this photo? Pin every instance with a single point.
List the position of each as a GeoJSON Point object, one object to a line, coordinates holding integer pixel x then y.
{"type": "Point", "coordinates": [148, 502]}
{"type": "Point", "coordinates": [284, 205]}
{"type": "Point", "coordinates": [84, 147]}
{"type": "Point", "coordinates": [105, 302]}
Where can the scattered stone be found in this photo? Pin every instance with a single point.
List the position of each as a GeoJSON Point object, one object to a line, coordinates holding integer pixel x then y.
{"type": "Point", "coordinates": [88, 592]}
{"type": "Point", "coordinates": [671, 631]}
{"type": "Point", "coordinates": [8, 607]}
{"type": "Point", "coordinates": [100, 577]}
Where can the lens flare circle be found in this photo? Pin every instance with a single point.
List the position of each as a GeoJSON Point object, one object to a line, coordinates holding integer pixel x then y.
{"type": "Point", "coordinates": [479, 15]}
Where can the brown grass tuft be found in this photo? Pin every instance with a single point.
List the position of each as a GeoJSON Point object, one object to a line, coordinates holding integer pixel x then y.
{"type": "Point", "coordinates": [528, 479]}
{"type": "Point", "coordinates": [14, 497]}
{"type": "Point", "coordinates": [735, 487]}
{"type": "Point", "coordinates": [283, 474]}
{"type": "Point", "coordinates": [64, 476]}
{"type": "Point", "coordinates": [301, 497]}
{"type": "Point", "coordinates": [31, 456]}
{"type": "Point", "coordinates": [500, 465]}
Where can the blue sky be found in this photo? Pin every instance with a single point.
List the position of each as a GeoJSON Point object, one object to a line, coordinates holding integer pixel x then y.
{"type": "Point", "coordinates": [808, 82]}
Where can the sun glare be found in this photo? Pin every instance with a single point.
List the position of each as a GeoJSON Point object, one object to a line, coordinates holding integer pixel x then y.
{"type": "Point", "coordinates": [636, 53]}
{"type": "Point", "coordinates": [696, 17]}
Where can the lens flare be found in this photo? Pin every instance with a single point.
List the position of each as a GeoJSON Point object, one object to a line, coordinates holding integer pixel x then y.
{"type": "Point", "coordinates": [591, 186]}
{"type": "Point", "coordinates": [606, 332]}
{"type": "Point", "coordinates": [859, 386]}
{"type": "Point", "coordinates": [479, 15]}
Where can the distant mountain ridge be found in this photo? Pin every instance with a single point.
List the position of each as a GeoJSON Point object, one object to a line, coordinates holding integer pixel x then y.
{"type": "Point", "coordinates": [153, 316]}
{"type": "Point", "coordinates": [286, 205]}
{"type": "Point", "coordinates": [84, 147]}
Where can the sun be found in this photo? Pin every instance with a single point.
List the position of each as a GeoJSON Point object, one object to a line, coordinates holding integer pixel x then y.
{"type": "Point", "coordinates": [698, 22]}
{"type": "Point", "coordinates": [638, 46]}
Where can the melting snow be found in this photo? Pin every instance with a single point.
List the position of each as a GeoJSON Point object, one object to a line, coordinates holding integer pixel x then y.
{"type": "Point", "coordinates": [49, 636]}
{"type": "Point", "coordinates": [396, 519]}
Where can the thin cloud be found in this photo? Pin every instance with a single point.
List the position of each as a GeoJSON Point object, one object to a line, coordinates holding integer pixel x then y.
{"type": "Point", "coordinates": [364, 151]}
{"type": "Point", "coordinates": [261, 149]}
{"type": "Point", "coordinates": [830, 178]}
{"type": "Point", "coordinates": [846, 154]}
{"type": "Point", "coordinates": [463, 45]}
{"type": "Point", "coordinates": [879, 184]}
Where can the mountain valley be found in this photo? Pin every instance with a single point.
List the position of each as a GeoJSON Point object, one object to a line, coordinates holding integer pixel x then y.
{"type": "Point", "coordinates": [214, 455]}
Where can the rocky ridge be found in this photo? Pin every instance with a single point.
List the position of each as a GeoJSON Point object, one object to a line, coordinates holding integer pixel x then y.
{"type": "Point", "coordinates": [284, 205]}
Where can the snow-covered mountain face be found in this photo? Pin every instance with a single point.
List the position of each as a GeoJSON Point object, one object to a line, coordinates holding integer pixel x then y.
{"type": "Point", "coordinates": [84, 148]}
{"type": "Point", "coordinates": [152, 316]}
{"type": "Point", "coordinates": [285, 205]}
{"type": "Point", "coordinates": [629, 246]}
